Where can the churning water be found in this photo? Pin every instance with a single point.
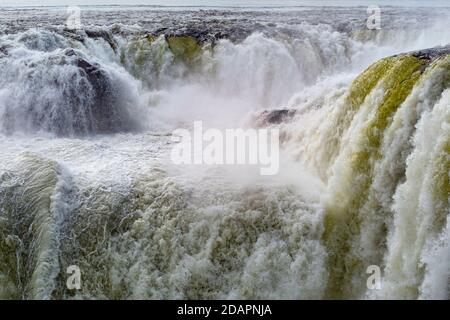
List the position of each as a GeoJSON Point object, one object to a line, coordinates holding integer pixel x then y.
{"type": "Point", "coordinates": [85, 135]}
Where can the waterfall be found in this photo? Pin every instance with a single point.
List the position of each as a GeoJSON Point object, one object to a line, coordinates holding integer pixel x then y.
{"type": "Point", "coordinates": [86, 178]}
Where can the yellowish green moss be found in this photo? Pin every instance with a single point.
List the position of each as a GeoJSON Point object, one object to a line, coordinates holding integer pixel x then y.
{"type": "Point", "coordinates": [442, 171]}
{"type": "Point", "coordinates": [184, 48]}
{"type": "Point", "coordinates": [398, 84]}
{"type": "Point", "coordinates": [440, 63]}
{"type": "Point", "coordinates": [146, 56]}
{"type": "Point", "coordinates": [139, 48]}
{"type": "Point", "coordinates": [359, 90]}
{"type": "Point", "coordinates": [397, 76]}
{"type": "Point", "coordinates": [442, 175]}
{"type": "Point", "coordinates": [442, 185]}
{"type": "Point", "coordinates": [365, 82]}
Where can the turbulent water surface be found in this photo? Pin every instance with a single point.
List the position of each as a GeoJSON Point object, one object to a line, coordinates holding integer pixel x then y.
{"type": "Point", "coordinates": [85, 135]}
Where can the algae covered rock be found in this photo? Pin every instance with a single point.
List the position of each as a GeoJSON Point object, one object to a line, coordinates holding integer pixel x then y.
{"type": "Point", "coordinates": [375, 114]}
{"type": "Point", "coordinates": [185, 48]}
{"type": "Point", "coordinates": [157, 59]}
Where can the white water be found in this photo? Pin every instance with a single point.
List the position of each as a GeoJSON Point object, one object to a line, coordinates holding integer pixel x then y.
{"type": "Point", "coordinates": [95, 187]}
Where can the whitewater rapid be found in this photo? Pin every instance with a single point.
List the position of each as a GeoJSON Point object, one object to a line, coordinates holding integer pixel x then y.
{"type": "Point", "coordinates": [86, 177]}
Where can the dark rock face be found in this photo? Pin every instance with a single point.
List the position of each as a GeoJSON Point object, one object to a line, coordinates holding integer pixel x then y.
{"type": "Point", "coordinates": [81, 36]}
{"type": "Point", "coordinates": [3, 51]}
{"type": "Point", "coordinates": [103, 35]}
{"type": "Point", "coordinates": [68, 95]}
{"type": "Point", "coordinates": [432, 53]}
{"type": "Point", "coordinates": [108, 113]}
{"type": "Point", "coordinates": [278, 116]}
{"type": "Point", "coordinates": [271, 117]}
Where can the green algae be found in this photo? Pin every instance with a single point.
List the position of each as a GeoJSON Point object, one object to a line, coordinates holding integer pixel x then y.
{"type": "Point", "coordinates": [148, 57]}
{"type": "Point", "coordinates": [26, 230]}
{"type": "Point", "coordinates": [398, 82]}
{"type": "Point", "coordinates": [184, 48]}
{"type": "Point", "coordinates": [365, 82]}
{"type": "Point", "coordinates": [441, 180]}
{"type": "Point", "coordinates": [397, 76]}
{"type": "Point", "coordinates": [138, 47]}
{"type": "Point", "coordinates": [359, 90]}
{"type": "Point", "coordinates": [138, 52]}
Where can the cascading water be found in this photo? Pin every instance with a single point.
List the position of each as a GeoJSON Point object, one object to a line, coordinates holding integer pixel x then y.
{"type": "Point", "coordinates": [86, 177]}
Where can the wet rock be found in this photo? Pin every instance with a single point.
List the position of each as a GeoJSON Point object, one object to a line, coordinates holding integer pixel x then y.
{"type": "Point", "coordinates": [185, 48]}
{"type": "Point", "coordinates": [278, 116]}
{"type": "Point", "coordinates": [271, 117]}
{"type": "Point", "coordinates": [71, 34]}
{"type": "Point", "coordinates": [84, 100]}
{"type": "Point", "coordinates": [107, 112]}
{"type": "Point", "coordinates": [102, 34]}
{"type": "Point", "coordinates": [432, 53]}
{"type": "Point", "coordinates": [3, 51]}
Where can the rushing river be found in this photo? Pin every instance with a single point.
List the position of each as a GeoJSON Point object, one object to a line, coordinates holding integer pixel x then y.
{"type": "Point", "coordinates": [86, 177]}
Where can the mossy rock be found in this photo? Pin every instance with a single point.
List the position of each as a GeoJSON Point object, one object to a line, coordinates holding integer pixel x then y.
{"type": "Point", "coordinates": [396, 76]}
{"type": "Point", "coordinates": [184, 48]}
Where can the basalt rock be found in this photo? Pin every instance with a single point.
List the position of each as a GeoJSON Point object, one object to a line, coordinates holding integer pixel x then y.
{"type": "Point", "coordinates": [271, 117]}
{"type": "Point", "coordinates": [68, 95]}
{"type": "Point", "coordinates": [432, 53]}
{"type": "Point", "coordinates": [3, 51]}
{"type": "Point", "coordinates": [102, 34]}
